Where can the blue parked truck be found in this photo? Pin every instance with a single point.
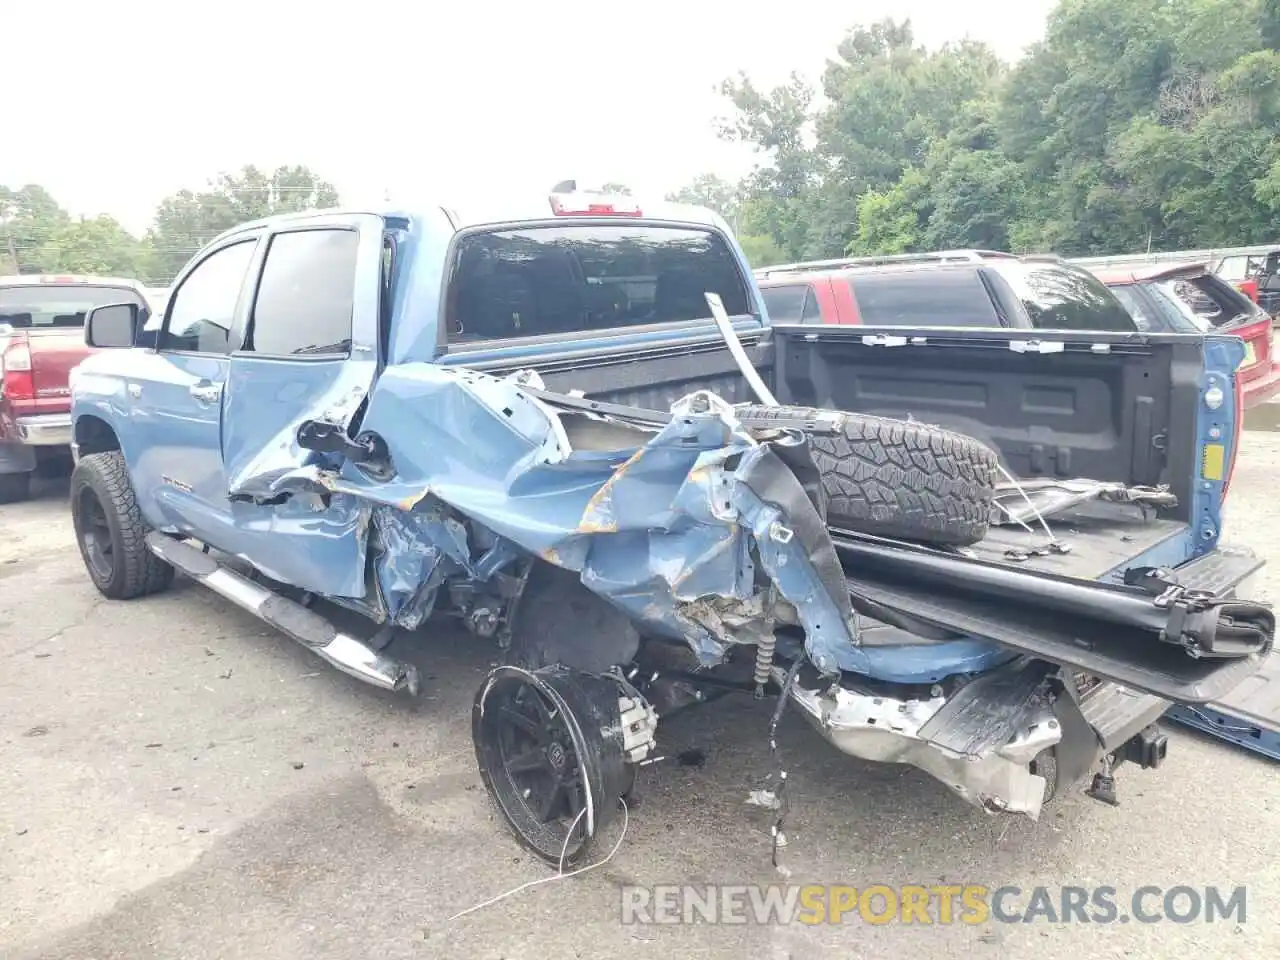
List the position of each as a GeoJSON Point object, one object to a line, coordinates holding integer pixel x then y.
{"type": "Point", "coordinates": [573, 430]}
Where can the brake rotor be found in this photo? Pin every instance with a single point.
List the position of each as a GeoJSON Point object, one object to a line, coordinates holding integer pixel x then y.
{"type": "Point", "coordinates": [550, 750]}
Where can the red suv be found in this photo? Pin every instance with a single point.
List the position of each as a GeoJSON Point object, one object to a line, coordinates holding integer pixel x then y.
{"type": "Point", "coordinates": [1189, 298]}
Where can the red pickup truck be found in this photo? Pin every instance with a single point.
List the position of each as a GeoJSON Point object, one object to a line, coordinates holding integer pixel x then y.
{"type": "Point", "coordinates": [41, 339]}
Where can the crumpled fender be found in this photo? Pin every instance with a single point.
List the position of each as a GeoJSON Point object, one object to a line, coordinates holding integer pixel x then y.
{"type": "Point", "coordinates": [668, 522]}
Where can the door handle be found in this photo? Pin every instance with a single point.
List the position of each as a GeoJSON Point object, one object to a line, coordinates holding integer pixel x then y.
{"type": "Point", "coordinates": [206, 392]}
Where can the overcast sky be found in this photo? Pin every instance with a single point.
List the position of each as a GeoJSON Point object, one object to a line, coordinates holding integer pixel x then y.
{"type": "Point", "coordinates": [114, 105]}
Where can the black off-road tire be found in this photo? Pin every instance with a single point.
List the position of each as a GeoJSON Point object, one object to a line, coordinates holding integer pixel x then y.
{"type": "Point", "coordinates": [131, 570]}
{"type": "Point", "coordinates": [900, 480]}
{"type": "Point", "coordinates": [14, 487]}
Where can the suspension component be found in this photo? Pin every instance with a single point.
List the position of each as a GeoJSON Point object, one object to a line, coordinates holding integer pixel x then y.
{"type": "Point", "coordinates": [764, 661]}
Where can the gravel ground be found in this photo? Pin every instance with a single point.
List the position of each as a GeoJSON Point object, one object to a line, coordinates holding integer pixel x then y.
{"type": "Point", "coordinates": [178, 781]}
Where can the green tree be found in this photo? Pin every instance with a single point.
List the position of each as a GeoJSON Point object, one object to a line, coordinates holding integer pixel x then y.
{"type": "Point", "coordinates": [761, 251]}
{"type": "Point", "coordinates": [29, 216]}
{"type": "Point", "coordinates": [187, 220]}
{"type": "Point", "coordinates": [93, 246]}
{"type": "Point", "coordinates": [889, 104]}
{"type": "Point", "coordinates": [711, 191]}
{"type": "Point", "coordinates": [1143, 122]}
{"type": "Point", "coordinates": [1269, 24]}
{"type": "Point", "coordinates": [1150, 122]}
{"type": "Point", "coordinates": [893, 220]}
{"type": "Point", "coordinates": [779, 192]}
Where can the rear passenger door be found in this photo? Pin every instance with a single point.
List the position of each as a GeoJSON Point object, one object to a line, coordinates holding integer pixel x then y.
{"type": "Point", "coordinates": [308, 350]}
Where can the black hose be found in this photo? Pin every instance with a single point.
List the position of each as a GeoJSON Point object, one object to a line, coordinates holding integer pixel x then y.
{"type": "Point", "coordinates": [783, 697]}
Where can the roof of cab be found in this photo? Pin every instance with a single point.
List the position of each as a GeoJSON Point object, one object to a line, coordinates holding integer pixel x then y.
{"type": "Point", "coordinates": [535, 211]}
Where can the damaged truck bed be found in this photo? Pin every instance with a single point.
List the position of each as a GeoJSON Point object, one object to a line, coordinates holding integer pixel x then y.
{"type": "Point", "coordinates": [993, 558]}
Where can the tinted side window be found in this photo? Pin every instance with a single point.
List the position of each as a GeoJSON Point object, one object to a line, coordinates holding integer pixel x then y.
{"type": "Point", "coordinates": [201, 310]}
{"type": "Point", "coordinates": [791, 303]}
{"type": "Point", "coordinates": [924, 298]}
{"type": "Point", "coordinates": [1065, 298]}
{"type": "Point", "coordinates": [306, 294]}
{"type": "Point", "coordinates": [812, 312]}
{"type": "Point", "coordinates": [1143, 315]}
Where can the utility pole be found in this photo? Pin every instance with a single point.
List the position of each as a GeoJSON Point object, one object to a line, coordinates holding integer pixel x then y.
{"type": "Point", "coordinates": [13, 252]}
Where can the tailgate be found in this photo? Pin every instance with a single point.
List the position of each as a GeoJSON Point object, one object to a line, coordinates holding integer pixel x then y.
{"type": "Point", "coordinates": [47, 313]}
{"type": "Point", "coordinates": [1249, 715]}
{"type": "Point", "coordinates": [1178, 648]}
{"type": "Point", "coordinates": [53, 354]}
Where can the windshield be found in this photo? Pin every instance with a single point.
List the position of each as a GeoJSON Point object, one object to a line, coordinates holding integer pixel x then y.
{"type": "Point", "coordinates": [1062, 297]}
{"type": "Point", "coordinates": [57, 306]}
{"type": "Point", "coordinates": [564, 279]}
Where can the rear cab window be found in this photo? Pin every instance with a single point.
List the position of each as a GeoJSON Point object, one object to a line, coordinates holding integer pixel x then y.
{"type": "Point", "coordinates": [932, 297]}
{"type": "Point", "coordinates": [561, 279]}
{"type": "Point", "coordinates": [58, 306]}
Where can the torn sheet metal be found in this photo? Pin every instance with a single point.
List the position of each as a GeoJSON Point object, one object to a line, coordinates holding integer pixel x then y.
{"type": "Point", "coordinates": [1026, 500]}
{"type": "Point", "coordinates": [694, 528]}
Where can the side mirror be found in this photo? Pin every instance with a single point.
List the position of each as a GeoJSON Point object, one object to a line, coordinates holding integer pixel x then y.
{"type": "Point", "coordinates": [112, 325]}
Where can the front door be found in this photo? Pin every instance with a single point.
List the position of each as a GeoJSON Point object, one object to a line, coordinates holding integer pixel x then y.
{"type": "Point", "coordinates": [175, 393]}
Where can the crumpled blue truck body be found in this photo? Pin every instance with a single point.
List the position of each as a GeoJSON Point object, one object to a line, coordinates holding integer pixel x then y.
{"type": "Point", "coordinates": [486, 474]}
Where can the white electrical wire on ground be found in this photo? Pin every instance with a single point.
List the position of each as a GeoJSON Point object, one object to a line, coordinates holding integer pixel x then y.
{"type": "Point", "coordinates": [559, 874]}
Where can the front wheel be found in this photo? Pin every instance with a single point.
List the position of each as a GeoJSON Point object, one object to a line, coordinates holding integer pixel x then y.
{"type": "Point", "coordinates": [111, 532]}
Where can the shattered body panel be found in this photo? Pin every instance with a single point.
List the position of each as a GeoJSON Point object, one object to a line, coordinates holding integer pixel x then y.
{"type": "Point", "coordinates": [667, 523]}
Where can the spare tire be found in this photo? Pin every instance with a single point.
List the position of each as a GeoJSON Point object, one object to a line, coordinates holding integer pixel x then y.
{"type": "Point", "coordinates": [897, 479]}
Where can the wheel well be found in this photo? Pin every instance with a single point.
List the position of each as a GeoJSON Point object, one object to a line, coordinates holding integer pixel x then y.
{"type": "Point", "coordinates": [94, 435]}
{"type": "Point", "coordinates": [559, 621]}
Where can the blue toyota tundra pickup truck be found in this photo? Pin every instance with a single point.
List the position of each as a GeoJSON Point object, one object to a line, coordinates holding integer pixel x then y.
{"type": "Point", "coordinates": [993, 555]}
